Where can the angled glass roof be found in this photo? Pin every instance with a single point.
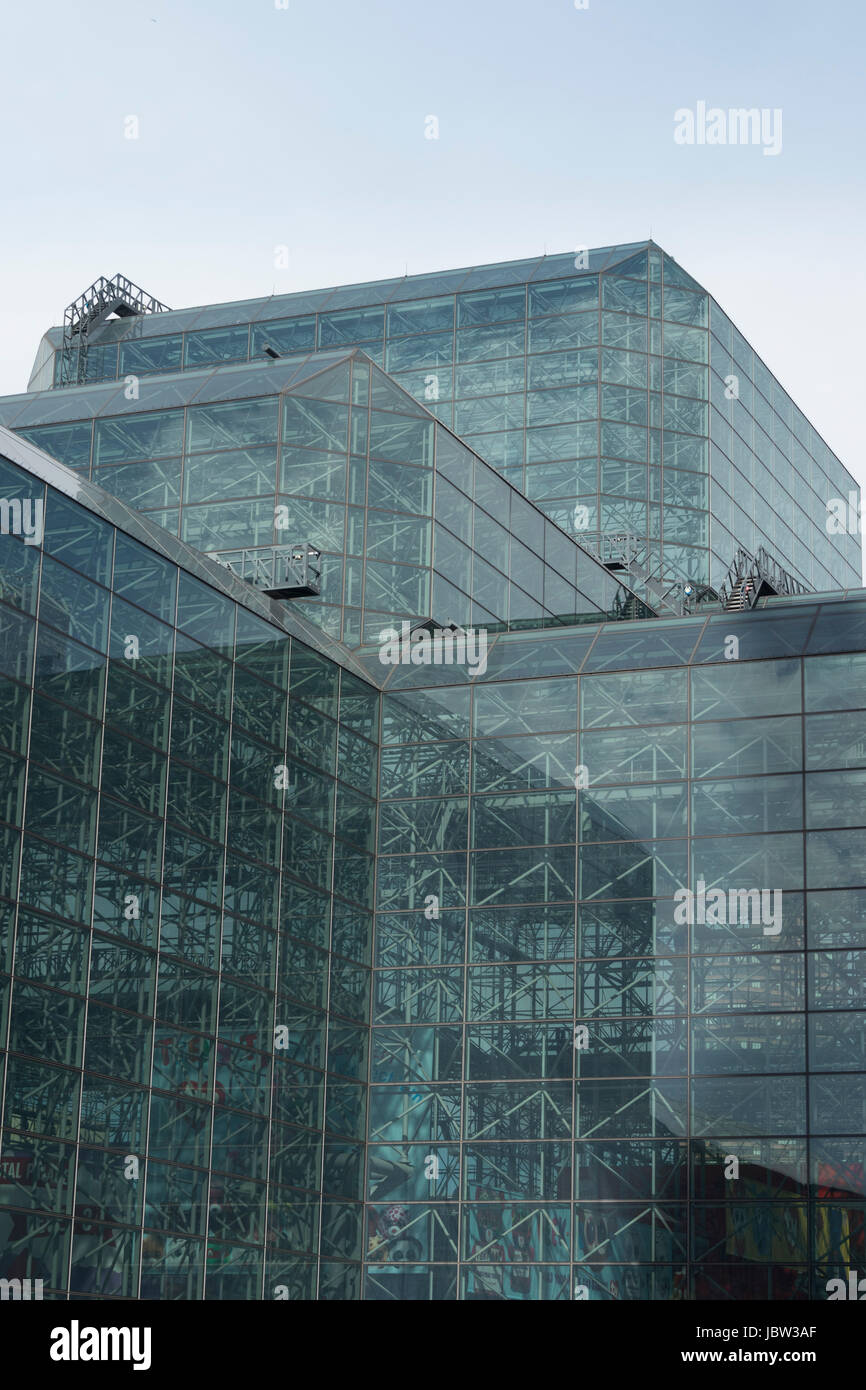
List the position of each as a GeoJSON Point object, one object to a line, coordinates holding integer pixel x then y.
{"type": "Point", "coordinates": [825, 623]}
{"type": "Point", "coordinates": [224, 315]}
{"type": "Point", "coordinates": [360, 295]}
{"type": "Point", "coordinates": [217, 382]}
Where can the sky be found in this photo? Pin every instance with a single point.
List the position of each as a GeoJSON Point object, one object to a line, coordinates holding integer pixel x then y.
{"type": "Point", "coordinates": [303, 124]}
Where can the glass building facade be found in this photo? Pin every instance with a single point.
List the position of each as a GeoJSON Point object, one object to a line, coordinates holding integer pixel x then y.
{"type": "Point", "coordinates": [188, 822]}
{"type": "Point", "coordinates": [620, 1103]}
{"type": "Point", "coordinates": [326, 977]}
{"type": "Point", "coordinates": [410, 523]}
{"type": "Point", "coordinates": [609, 387]}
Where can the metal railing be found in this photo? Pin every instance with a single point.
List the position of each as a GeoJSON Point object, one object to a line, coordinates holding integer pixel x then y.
{"type": "Point", "coordinates": [280, 571]}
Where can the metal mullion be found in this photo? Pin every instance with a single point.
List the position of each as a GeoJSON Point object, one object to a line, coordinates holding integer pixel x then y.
{"type": "Point", "coordinates": [93, 859]}
{"type": "Point", "coordinates": [277, 958]}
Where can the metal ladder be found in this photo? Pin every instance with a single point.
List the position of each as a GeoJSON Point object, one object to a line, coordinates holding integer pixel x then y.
{"type": "Point", "coordinates": [750, 576]}
{"type": "Point", "coordinates": [620, 551]}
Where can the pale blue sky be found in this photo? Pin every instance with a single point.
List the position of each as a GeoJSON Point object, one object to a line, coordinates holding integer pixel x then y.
{"type": "Point", "coordinates": [304, 127]}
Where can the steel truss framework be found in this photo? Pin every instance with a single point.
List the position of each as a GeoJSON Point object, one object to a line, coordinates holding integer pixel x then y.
{"type": "Point", "coordinates": [98, 302]}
